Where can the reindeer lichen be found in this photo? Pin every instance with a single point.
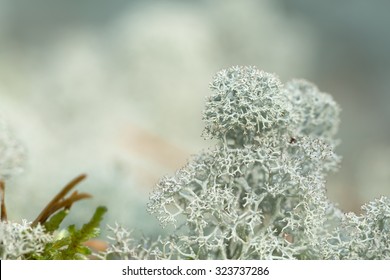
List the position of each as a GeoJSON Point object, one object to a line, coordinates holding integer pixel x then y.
{"type": "Point", "coordinates": [259, 193]}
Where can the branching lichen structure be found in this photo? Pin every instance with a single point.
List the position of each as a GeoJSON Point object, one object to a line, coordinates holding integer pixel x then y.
{"type": "Point", "coordinates": [259, 193]}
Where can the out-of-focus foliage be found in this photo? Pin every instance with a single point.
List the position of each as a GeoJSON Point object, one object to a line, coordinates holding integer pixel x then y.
{"type": "Point", "coordinates": [12, 153]}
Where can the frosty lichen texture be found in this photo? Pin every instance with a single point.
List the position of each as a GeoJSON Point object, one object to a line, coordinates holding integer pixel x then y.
{"type": "Point", "coordinates": [19, 240]}
{"type": "Point", "coordinates": [246, 103]}
{"type": "Point", "coordinates": [317, 112]}
{"type": "Point", "coordinates": [260, 192]}
{"type": "Point", "coordinates": [362, 236]}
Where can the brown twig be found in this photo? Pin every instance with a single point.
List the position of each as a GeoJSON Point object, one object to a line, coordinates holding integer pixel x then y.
{"type": "Point", "coordinates": [67, 203]}
{"type": "Point", "coordinates": [60, 200]}
{"type": "Point", "coordinates": [3, 208]}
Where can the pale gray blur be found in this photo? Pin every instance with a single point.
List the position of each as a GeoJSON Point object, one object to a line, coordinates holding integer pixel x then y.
{"type": "Point", "coordinates": [116, 89]}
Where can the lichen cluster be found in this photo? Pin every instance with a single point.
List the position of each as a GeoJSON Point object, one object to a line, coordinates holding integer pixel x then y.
{"type": "Point", "coordinates": [259, 193]}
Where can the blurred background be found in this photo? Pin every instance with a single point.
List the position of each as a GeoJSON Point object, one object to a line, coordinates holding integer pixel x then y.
{"type": "Point", "coordinates": [116, 89]}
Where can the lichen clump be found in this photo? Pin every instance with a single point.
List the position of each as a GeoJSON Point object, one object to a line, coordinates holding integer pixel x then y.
{"type": "Point", "coordinates": [259, 193]}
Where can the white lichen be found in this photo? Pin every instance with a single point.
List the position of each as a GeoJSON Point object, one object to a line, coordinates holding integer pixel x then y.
{"type": "Point", "coordinates": [260, 192]}
{"type": "Point", "coordinates": [17, 240]}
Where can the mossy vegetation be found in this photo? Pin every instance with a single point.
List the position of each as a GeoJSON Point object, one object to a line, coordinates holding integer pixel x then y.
{"type": "Point", "coordinates": [45, 238]}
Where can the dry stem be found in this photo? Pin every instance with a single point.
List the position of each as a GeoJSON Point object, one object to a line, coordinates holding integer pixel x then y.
{"type": "Point", "coordinates": [60, 200]}
{"type": "Point", "coordinates": [3, 208]}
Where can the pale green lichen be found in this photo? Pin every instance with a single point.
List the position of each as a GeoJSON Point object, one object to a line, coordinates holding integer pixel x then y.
{"type": "Point", "coordinates": [20, 239]}
{"type": "Point", "coordinates": [260, 192]}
